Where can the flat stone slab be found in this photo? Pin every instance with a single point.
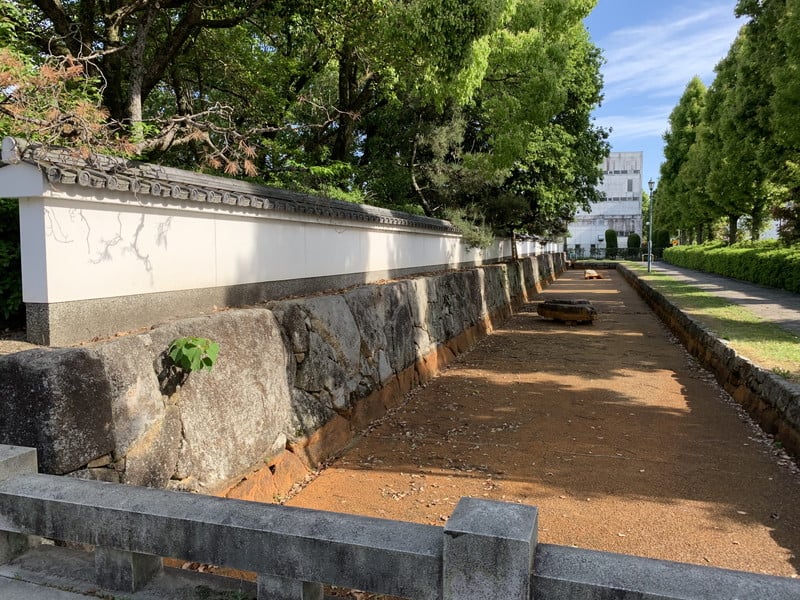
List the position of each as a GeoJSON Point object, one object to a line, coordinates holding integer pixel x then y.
{"type": "Point", "coordinates": [579, 311]}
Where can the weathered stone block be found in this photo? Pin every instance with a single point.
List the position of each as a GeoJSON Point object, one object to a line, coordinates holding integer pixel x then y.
{"type": "Point", "coordinates": [231, 415]}
{"type": "Point", "coordinates": [124, 571]}
{"type": "Point", "coordinates": [136, 401]}
{"type": "Point", "coordinates": [563, 572]}
{"type": "Point", "coordinates": [393, 558]}
{"type": "Point", "coordinates": [418, 303]}
{"type": "Point", "coordinates": [488, 551]}
{"type": "Point", "coordinates": [308, 414]}
{"type": "Point", "coordinates": [580, 311]}
{"type": "Point", "coordinates": [272, 587]}
{"type": "Point", "coordinates": [14, 460]}
{"type": "Point", "coordinates": [12, 545]}
{"type": "Point", "coordinates": [399, 328]}
{"type": "Point", "coordinates": [17, 460]}
{"type": "Point", "coordinates": [58, 401]}
{"type": "Point", "coordinates": [272, 481]}
{"type": "Point", "coordinates": [333, 360]}
{"type": "Point", "coordinates": [325, 442]}
{"type": "Point", "coordinates": [151, 462]}
{"type": "Point", "coordinates": [101, 474]}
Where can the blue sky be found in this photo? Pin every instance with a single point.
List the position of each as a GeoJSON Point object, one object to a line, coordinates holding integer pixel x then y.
{"type": "Point", "coordinates": [652, 49]}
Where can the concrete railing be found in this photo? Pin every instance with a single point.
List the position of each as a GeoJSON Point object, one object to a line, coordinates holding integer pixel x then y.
{"type": "Point", "coordinates": [487, 550]}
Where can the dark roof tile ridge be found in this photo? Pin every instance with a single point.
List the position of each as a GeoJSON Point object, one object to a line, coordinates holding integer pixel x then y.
{"type": "Point", "coordinates": [71, 167]}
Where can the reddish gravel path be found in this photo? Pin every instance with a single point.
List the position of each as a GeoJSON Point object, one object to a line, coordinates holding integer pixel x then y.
{"type": "Point", "coordinates": [619, 438]}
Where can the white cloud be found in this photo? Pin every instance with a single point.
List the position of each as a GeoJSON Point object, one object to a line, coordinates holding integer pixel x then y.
{"type": "Point", "coordinates": [659, 59]}
{"type": "Point", "coordinates": [636, 126]}
{"type": "Point", "coordinates": [648, 67]}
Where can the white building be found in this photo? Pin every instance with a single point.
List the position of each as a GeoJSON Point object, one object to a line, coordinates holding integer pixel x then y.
{"type": "Point", "coordinates": [621, 210]}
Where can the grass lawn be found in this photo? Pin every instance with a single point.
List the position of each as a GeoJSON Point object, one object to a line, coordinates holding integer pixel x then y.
{"type": "Point", "coordinates": [761, 341]}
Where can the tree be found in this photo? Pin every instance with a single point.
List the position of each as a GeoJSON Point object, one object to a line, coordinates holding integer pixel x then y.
{"type": "Point", "coordinates": [677, 210]}
{"type": "Point", "coordinates": [612, 247]}
{"type": "Point", "coordinates": [423, 105]}
{"type": "Point", "coordinates": [731, 154]}
{"type": "Point", "coordinates": [660, 242]}
{"type": "Point", "coordinates": [521, 148]}
{"type": "Point", "coordinates": [785, 122]}
{"type": "Point", "coordinates": [744, 158]}
{"type": "Point", "coordinates": [132, 44]}
{"type": "Point", "coordinates": [634, 245]}
{"type": "Point", "coordinates": [559, 173]}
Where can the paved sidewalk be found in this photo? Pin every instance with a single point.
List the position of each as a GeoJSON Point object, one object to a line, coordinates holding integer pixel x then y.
{"type": "Point", "coordinates": [57, 573]}
{"type": "Point", "coordinates": [11, 589]}
{"type": "Point", "coordinates": [771, 304]}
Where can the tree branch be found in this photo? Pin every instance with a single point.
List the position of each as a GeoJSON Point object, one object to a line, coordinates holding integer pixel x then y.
{"type": "Point", "coordinates": [62, 24]}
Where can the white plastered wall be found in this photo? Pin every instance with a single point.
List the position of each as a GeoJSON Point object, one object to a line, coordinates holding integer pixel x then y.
{"type": "Point", "coordinates": [78, 248]}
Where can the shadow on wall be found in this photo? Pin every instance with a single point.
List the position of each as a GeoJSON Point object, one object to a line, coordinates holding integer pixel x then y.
{"type": "Point", "coordinates": [303, 374]}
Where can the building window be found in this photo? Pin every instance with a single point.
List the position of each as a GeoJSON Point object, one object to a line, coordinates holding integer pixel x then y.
{"type": "Point", "coordinates": [630, 185]}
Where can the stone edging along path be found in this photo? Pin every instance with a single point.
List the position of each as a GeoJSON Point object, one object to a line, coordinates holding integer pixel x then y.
{"type": "Point", "coordinates": [771, 400]}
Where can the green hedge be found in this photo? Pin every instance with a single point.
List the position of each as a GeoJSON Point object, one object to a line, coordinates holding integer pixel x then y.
{"type": "Point", "coordinates": [766, 262]}
{"type": "Point", "coordinates": [11, 309]}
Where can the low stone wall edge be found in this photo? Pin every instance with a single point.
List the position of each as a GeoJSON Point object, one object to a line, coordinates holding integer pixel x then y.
{"type": "Point", "coordinates": [295, 382]}
{"type": "Point", "coordinates": [772, 401]}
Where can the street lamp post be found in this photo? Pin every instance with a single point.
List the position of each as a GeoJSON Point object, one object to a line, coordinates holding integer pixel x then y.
{"type": "Point", "coordinates": [651, 184]}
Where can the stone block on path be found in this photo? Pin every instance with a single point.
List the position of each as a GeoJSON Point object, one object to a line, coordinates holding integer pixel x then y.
{"type": "Point", "coordinates": [579, 311]}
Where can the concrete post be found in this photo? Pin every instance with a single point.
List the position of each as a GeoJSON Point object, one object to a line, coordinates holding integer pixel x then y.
{"type": "Point", "coordinates": [272, 587]}
{"type": "Point", "coordinates": [488, 551]}
{"type": "Point", "coordinates": [124, 571]}
{"type": "Point", "coordinates": [14, 460]}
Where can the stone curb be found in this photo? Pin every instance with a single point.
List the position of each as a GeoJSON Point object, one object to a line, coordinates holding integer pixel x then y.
{"type": "Point", "coordinates": [772, 401]}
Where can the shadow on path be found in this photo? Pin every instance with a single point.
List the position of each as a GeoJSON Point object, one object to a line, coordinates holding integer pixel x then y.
{"type": "Point", "coordinates": [611, 429]}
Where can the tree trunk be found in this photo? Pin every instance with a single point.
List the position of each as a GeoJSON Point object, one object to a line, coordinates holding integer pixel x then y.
{"type": "Point", "coordinates": [348, 73]}
{"type": "Point", "coordinates": [114, 96]}
{"type": "Point", "coordinates": [733, 224]}
{"type": "Point", "coordinates": [757, 218]}
{"type": "Point", "coordinates": [137, 73]}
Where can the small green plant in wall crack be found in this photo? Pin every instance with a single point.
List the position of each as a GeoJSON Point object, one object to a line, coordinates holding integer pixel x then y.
{"type": "Point", "coordinates": [193, 353]}
{"type": "Point", "coordinates": [184, 356]}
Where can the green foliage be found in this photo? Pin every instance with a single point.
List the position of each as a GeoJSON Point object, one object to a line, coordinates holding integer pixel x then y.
{"type": "Point", "coordinates": [471, 224]}
{"type": "Point", "coordinates": [11, 307]}
{"type": "Point", "coordinates": [788, 216]}
{"type": "Point", "coordinates": [634, 242]}
{"type": "Point", "coordinates": [193, 353]}
{"type": "Point", "coordinates": [739, 160]}
{"type": "Point", "coordinates": [422, 104]}
{"type": "Point", "coordinates": [681, 196]}
{"type": "Point", "coordinates": [765, 263]}
{"type": "Point", "coordinates": [661, 241]}
{"type": "Point", "coordinates": [612, 246]}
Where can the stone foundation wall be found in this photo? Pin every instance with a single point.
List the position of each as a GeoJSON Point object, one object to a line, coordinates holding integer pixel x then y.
{"type": "Point", "coordinates": [295, 380]}
{"type": "Point", "coordinates": [770, 399]}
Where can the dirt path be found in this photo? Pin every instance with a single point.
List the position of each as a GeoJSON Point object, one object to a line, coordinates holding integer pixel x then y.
{"type": "Point", "coordinates": [618, 437]}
